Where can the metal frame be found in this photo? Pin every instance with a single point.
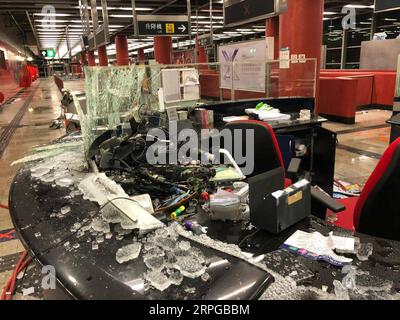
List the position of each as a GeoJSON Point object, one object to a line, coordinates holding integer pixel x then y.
{"type": "Point", "coordinates": [105, 20]}
{"type": "Point", "coordinates": [84, 13]}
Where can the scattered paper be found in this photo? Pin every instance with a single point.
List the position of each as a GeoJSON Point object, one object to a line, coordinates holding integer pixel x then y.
{"type": "Point", "coordinates": [316, 246]}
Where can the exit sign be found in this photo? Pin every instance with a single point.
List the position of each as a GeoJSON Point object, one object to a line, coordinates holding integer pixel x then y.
{"type": "Point", "coordinates": [48, 53]}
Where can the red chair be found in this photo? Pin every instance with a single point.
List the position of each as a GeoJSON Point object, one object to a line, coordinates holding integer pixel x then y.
{"type": "Point", "coordinates": [377, 211]}
{"type": "Point", "coordinates": [267, 155]}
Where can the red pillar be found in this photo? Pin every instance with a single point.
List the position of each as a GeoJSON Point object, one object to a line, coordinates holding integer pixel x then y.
{"type": "Point", "coordinates": [272, 30]}
{"type": "Point", "coordinates": [301, 31]}
{"type": "Point", "coordinates": [201, 52]}
{"type": "Point", "coordinates": [140, 55]}
{"type": "Point", "coordinates": [121, 47]}
{"type": "Point", "coordinates": [163, 49]}
{"type": "Point", "coordinates": [83, 58]}
{"type": "Point", "coordinates": [103, 59]}
{"type": "Point", "coordinates": [91, 59]}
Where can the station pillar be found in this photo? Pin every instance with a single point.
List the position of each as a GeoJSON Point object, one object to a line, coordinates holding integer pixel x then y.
{"type": "Point", "coordinates": [121, 47]}
{"type": "Point", "coordinates": [163, 49]}
{"type": "Point", "coordinates": [272, 30]}
{"type": "Point", "coordinates": [103, 59]}
{"type": "Point", "coordinates": [83, 58]}
{"type": "Point", "coordinates": [140, 55]}
{"type": "Point", "coordinates": [300, 30]}
{"type": "Point", "coordinates": [201, 52]}
{"type": "Point", "coordinates": [91, 58]}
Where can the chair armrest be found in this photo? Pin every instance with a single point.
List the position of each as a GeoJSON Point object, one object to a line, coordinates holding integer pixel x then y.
{"type": "Point", "coordinates": [326, 201]}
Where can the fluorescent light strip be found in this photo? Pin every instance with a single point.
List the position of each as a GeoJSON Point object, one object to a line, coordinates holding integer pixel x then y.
{"type": "Point", "coordinates": [52, 14]}
{"type": "Point", "coordinates": [121, 8]}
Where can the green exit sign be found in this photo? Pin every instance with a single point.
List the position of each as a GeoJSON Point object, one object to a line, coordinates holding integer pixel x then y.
{"type": "Point", "coordinates": [48, 53]}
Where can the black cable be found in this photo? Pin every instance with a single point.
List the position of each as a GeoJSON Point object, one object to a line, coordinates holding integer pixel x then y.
{"type": "Point", "coordinates": [248, 236]}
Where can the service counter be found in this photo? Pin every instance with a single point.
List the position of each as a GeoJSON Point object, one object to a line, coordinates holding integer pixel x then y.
{"type": "Point", "coordinates": [87, 273]}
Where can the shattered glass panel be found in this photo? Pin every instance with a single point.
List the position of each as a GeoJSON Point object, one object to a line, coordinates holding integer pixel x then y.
{"type": "Point", "coordinates": [113, 94]}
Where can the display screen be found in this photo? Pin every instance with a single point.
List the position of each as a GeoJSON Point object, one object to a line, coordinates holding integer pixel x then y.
{"type": "Point", "coordinates": [381, 5]}
{"type": "Point", "coordinates": [241, 12]}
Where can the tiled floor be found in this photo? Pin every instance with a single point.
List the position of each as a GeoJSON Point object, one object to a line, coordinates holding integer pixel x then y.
{"type": "Point", "coordinates": [33, 130]}
{"type": "Point", "coordinates": [370, 134]}
{"type": "Point", "coordinates": [352, 164]}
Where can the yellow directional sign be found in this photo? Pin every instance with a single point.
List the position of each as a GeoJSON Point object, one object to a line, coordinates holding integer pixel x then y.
{"type": "Point", "coordinates": [170, 28]}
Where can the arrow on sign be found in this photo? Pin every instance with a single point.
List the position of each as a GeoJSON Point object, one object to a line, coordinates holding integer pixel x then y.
{"type": "Point", "coordinates": [43, 53]}
{"type": "Point", "coordinates": [182, 28]}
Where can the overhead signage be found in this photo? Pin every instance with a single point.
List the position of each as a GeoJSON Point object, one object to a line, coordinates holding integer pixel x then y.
{"type": "Point", "coordinates": [155, 25]}
{"type": "Point", "coordinates": [48, 53]}
{"type": "Point", "coordinates": [386, 5]}
{"type": "Point", "coordinates": [164, 28]}
{"type": "Point", "coordinates": [237, 12]}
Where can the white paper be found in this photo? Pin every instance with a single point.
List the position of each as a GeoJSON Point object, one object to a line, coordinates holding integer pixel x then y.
{"type": "Point", "coordinates": [284, 59]}
{"type": "Point", "coordinates": [249, 72]}
{"type": "Point", "coordinates": [318, 244]}
{"type": "Point", "coordinates": [171, 85]}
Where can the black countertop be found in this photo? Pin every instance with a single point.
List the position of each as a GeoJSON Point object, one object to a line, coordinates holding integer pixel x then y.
{"type": "Point", "coordinates": [85, 273]}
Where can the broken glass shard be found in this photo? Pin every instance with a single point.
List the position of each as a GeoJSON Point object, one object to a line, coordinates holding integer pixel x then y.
{"type": "Point", "coordinates": [108, 235]}
{"type": "Point", "coordinates": [128, 253]}
{"type": "Point", "coordinates": [154, 262]}
{"type": "Point", "coordinates": [65, 210]}
{"type": "Point", "coordinates": [190, 266]}
{"type": "Point", "coordinates": [100, 225]}
{"type": "Point", "coordinates": [64, 182]}
{"type": "Point", "coordinates": [205, 277]}
{"type": "Point", "coordinates": [76, 226]}
{"type": "Point", "coordinates": [157, 279]}
{"type": "Point", "coordinates": [363, 251]}
{"type": "Point", "coordinates": [184, 245]}
{"type": "Point", "coordinates": [175, 277]}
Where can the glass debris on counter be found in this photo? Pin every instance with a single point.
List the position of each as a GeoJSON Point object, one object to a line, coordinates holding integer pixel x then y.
{"type": "Point", "coordinates": [128, 253]}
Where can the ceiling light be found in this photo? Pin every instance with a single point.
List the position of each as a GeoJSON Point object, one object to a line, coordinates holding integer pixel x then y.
{"type": "Point", "coordinates": [121, 15]}
{"type": "Point", "coordinates": [52, 14]}
{"type": "Point", "coordinates": [359, 6]}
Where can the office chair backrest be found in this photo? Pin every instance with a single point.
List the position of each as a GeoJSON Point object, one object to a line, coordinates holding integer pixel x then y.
{"type": "Point", "coordinates": [267, 155]}
{"type": "Point", "coordinates": [377, 211]}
